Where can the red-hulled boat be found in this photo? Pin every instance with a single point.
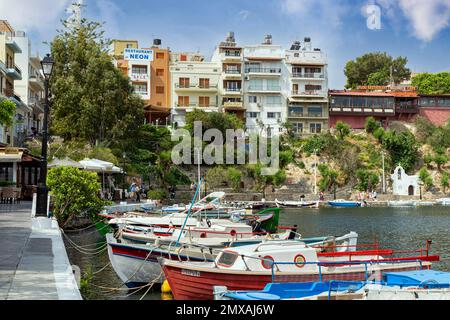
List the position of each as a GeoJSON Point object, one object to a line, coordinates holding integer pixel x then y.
{"type": "Point", "coordinates": [250, 268]}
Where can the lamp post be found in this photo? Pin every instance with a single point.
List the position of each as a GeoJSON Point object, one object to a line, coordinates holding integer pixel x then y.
{"type": "Point", "coordinates": [42, 193]}
{"type": "Point", "coordinates": [124, 156]}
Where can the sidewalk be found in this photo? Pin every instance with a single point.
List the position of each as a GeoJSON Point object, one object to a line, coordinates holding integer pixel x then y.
{"type": "Point", "coordinates": [33, 260]}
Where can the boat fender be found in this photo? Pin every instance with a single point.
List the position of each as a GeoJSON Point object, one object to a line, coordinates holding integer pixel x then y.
{"type": "Point", "coordinates": [233, 233]}
{"type": "Point", "coordinates": [165, 287]}
{"type": "Point", "coordinates": [203, 235]}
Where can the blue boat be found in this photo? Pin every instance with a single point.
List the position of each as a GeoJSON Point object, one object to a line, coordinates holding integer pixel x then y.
{"type": "Point", "coordinates": [345, 203]}
{"type": "Point", "coordinates": [425, 279]}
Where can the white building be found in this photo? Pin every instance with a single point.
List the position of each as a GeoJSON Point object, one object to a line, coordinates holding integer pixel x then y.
{"type": "Point", "coordinates": [194, 85]}
{"type": "Point", "coordinates": [404, 185]}
{"type": "Point", "coordinates": [230, 58]}
{"type": "Point", "coordinates": [30, 89]}
{"type": "Point", "coordinates": [263, 99]}
{"type": "Point", "coordinates": [306, 87]}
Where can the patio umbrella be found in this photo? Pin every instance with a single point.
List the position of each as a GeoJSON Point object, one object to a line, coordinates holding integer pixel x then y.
{"type": "Point", "coordinates": [66, 162]}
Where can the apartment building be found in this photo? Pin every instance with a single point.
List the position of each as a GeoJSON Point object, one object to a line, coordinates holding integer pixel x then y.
{"type": "Point", "coordinates": [194, 85]}
{"type": "Point", "coordinates": [148, 70]}
{"type": "Point", "coordinates": [306, 90]}
{"type": "Point", "coordinates": [9, 72]}
{"type": "Point", "coordinates": [264, 103]}
{"type": "Point", "coordinates": [229, 57]}
{"type": "Point", "coordinates": [30, 89]}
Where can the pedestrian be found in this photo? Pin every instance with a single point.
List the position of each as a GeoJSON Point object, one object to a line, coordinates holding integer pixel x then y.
{"type": "Point", "coordinates": [322, 198]}
{"type": "Point", "coordinates": [133, 190]}
{"type": "Point", "coordinates": [138, 193]}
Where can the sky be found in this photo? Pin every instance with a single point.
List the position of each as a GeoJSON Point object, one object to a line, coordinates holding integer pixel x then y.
{"type": "Point", "coordinates": [343, 29]}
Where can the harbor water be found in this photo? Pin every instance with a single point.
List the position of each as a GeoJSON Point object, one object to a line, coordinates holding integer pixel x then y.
{"type": "Point", "coordinates": [397, 228]}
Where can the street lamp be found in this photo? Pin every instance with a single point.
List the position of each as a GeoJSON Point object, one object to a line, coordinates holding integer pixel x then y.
{"type": "Point", "coordinates": [42, 193]}
{"type": "Point", "coordinates": [124, 156]}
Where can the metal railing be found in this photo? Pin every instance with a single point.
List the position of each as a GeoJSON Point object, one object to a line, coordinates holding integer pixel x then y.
{"type": "Point", "coordinates": [196, 86]}
{"type": "Point", "coordinates": [232, 89]}
{"type": "Point", "coordinates": [196, 105]}
{"type": "Point", "coordinates": [232, 54]}
{"type": "Point", "coordinates": [263, 70]}
{"type": "Point", "coordinates": [266, 88]}
{"type": "Point", "coordinates": [308, 75]}
{"type": "Point", "coordinates": [232, 71]}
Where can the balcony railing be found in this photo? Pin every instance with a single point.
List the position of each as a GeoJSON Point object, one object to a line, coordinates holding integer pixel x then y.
{"type": "Point", "coordinates": [195, 105]}
{"type": "Point", "coordinates": [232, 89]}
{"type": "Point", "coordinates": [233, 104]}
{"type": "Point", "coordinates": [233, 54]}
{"type": "Point", "coordinates": [263, 70]}
{"type": "Point", "coordinates": [195, 86]}
{"type": "Point", "coordinates": [262, 88]}
{"type": "Point", "coordinates": [308, 93]}
{"type": "Point", "coordinates": [308, 75]}
{"type": "Point", "coordinates": [232, 71]}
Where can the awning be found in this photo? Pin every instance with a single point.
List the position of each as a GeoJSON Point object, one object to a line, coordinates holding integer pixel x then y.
{"type": "Point", "coordinates": [66, 162]}
{"type": "Point", "coordinates": [306, 100]}
{"type": "Point", "coordinates": [11, 155]}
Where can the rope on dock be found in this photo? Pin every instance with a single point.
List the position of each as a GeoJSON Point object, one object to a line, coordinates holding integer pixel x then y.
{"type": "Point", "coordinates": [86, 251]}
{"type": "Point", "coordinates": [151, 285]}
{"type": "Point", "coordinates": [89, 227]}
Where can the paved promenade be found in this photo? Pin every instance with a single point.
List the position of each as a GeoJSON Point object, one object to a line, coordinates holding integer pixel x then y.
{"type": "Point", "coordinates": [33, 260]}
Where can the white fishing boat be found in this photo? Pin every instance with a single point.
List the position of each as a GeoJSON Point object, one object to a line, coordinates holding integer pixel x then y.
{"type": "Point", "coordinates": [252, 267]}
{"type": "Point", "coordinates": [424, 203]}
{"type": "Point", "coordinates": [297, 204]}
{"type": "Point", "coordinates": [443, 201]}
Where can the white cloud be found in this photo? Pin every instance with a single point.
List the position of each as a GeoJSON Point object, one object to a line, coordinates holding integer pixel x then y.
{"type": "Point", "coordinates": [244, 14]}
{"type": "Point", "coordinates": [31, 15]}
{"type": "Point", "coordinates": [428, 17]}
{"type": "Point", "coordinates": [109, 13]}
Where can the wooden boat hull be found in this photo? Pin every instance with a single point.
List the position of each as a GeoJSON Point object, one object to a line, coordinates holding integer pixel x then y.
{"type": "Point", "coordinates": [190, 282]}
{"type": "Point", "coordinates": [137, 265]}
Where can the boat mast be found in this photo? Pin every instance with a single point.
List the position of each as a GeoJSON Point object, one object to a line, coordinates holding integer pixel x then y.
{"type": "Point", "coordinates": [384, 177]}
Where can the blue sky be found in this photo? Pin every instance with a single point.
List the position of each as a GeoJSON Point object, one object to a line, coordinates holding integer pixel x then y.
{"type": "Point", "coordinates": [418, 29]}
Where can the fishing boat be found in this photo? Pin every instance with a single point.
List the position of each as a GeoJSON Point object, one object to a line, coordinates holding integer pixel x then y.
{"type": "Point", "coordinates": [345, 203]}
{"type": "Point", "coordinates": [297, 204]}
{"type": "Point", "coordinates": [409, 285]}
{"type": "Point", "coordinates": [136, 264]}
{"type": "Point", "coordinates": [401, 203]}
{"type": "Point", "coordinates": [252, 267]}
{"type": "Point", "coordinates": [424, 203]}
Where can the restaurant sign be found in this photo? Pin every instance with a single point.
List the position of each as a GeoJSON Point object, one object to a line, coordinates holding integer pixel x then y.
{"type": "Point", "coordinates": [138, 54]}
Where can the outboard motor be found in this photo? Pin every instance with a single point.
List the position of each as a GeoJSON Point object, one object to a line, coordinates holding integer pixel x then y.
{"type": "Point", "coordinates": [293, 232]}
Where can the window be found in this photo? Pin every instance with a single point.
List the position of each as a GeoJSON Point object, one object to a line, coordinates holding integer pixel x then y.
{"type": "Point", "coordinates": [129, 45]}
{"type": "Point", "coordinates": [312, 87]}
{"type": "Point", "coordinates": [227, 259]}
{"type": "Point", "coordinates": [204, 83]}
{"type": "Point", "coordinates": [256, 84]}
{"type": "Point", "coordinates": [253, 99]}
{"type": "Point", "coordinates": [315, 128]}
{"type": "Point", "coordinates": [273, 100]}
{"type": "Point", "coordinates": [139, 70]}
{"type": "Point", "coordinates": [159, 89]}
{"type": "Point", "coordinates": [297, 127]}
{"type": "Point", "coordinates": [183, 83]}
{"type": "Point", "coordinates": [183, 101]}
{"type": "Point", "coordinates": [160, 55]}
{"type": "Point", "coordinates": [295, 88]}
{"type": "Point", "coordinates": [273, 84]}
{"type": "Point", "coordinates": [252, 115]}
{"type": "Point", "coordinates": [273, 115]}
{"type": "Point", "coordinates": [160, 72]}
{"type": "Point", "coordinates": [140, 88]}
{"type": "Point", "coordinates": [313, 70]}
{"type": "Point", "coordinates": [314, 111]}
{"type": "Point", "coordinates": [203, 101]}
{"type": "Point", "coordinates": [296, 111]}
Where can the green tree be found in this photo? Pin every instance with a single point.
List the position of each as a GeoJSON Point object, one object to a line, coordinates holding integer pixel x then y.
{"type": "Point", "coordinates": [402, 148]}
{"type": "Point", "coordinates": [445, 181]}
{"type": "Point", "coordinates": [329, 179]}
{"type": "Point", "coordinates": [424, 129]}
{"type": "Point", "coordinates": [235, 177]}
{"type": "Point", "coordinates": [374, 69]}
{"type": "Point", "coordinates": [426, 178]}
{"type": "Point", "coordinates": [216, 177]}
{"type": "Point", "coordinates": [7, 112]}
{"type": "Point", "coordinates": [74, 192]}
{"type": "Point", "coordinates": [367, 180]}
{"type": "Point", "coordinates": [92, 99]}
{"type": "Point", "coordinates": [372, 125]}
{"type": "Point", "coordinates": [343, 130]}
{"type": "Point", "coordinates": [213, 120]}
{"type": "Point", "coordinates": [432, 83]}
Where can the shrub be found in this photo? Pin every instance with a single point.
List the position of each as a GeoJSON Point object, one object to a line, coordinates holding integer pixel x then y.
{"type": "Point", "coordinates": [235, 176]}
{"type": "Point", "coordinates": [156, 194]}
{"type": "Point", "coordinates": [74, 192]}
{"type": "Point", "coordinates": [216, 177]}
{"type": "Point", "coordinates": [372, 125]}
{"type": "Point", "coordinates": [279, 178]}
{"type": "Point", "coordinates": [444, 181]}
{"type": "Point", "coordinates": [343, 130]}
{"type": "Point", "coordinates": [379, 134]}
{"type": "Point", "coordinates": [426, 178]}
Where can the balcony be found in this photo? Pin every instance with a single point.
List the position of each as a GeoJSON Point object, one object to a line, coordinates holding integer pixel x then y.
{"type": "Point", "coordinates": [266, 89]}
{"type": "Point", "coordinates": [196, 87]}
{"type": "Point", "coordinates": [309, 93]}
{"type": "Point", "coordinates": [231, 56]}
{"type": "Point", "coordinates": [407, 108]}
{"type": "Point", "coordinates": [233, 105]}
{"type": "Point", "coordinates": [264, 71]}
{"type": "Point", "coordinates": [314, 76]}
{"type": "Point", "coordinates": [14, 73]}
{"type": "Point", "coordinates": [10, 94]}
{"type": "Point", "coordinates": [232, 91]}
{"type": "Point", "coordinates": [13, 46]}
{"type": "Point", "coordinates": [361, 110]}
{"type": "Point", "coordinates": [37, 82]}
{"type": "Point", "coordinates": [196, 106]}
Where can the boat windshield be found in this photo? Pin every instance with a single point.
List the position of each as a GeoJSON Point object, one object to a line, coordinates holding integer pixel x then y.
{"type": "Point", "coordinates": [227, 258]}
